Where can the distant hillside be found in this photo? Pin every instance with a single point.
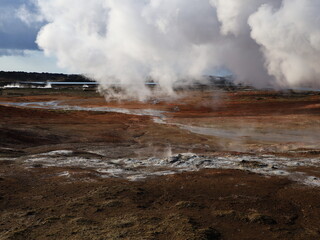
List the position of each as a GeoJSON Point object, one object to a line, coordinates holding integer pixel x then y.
{"type": "Point", "coordinates": [6, 77]}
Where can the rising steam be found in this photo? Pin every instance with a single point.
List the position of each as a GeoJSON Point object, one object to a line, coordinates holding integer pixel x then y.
{"type": "Point", "coordinates": [262, 42]}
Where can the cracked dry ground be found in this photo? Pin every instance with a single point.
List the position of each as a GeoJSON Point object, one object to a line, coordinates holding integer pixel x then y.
{"type": "Point", "coordinates": [39, 203]}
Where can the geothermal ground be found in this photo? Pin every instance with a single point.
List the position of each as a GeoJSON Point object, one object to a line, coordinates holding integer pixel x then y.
{"type": "Point", "coordinates": [204, 165]}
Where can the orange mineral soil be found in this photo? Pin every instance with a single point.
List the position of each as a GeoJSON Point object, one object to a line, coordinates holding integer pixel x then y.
{"type": "Point", "coordinates": [201, 165]}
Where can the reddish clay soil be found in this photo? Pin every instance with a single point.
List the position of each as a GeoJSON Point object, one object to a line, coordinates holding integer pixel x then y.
{"type": "Point", "coordinates": [40, 203]}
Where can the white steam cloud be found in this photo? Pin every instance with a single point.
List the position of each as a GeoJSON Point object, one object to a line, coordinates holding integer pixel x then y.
{"type": "Point", "coordinates": [290, 40]}
{"type": "Point", "coordinates": [262, 42]}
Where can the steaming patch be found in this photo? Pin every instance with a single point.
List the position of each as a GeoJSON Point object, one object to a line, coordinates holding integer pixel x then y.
{"type": "Point", "coordinates": [313, 181]}
{"type": "Point", "coordinates": [40, 105]}
{"type": "Point", "coordinates": [136, 169]}
{"type": "Point", "coordinates": [309, 137]}
{"type": "Point", "coordinates": [65, 161]}
{"type": "Point", "coordinates": [159, 120]}
{"type": "Point", "coordinates": [64, 174]}
{"type": "Point", "coordinates": [305, 136]}
{"type": "Point", "coordinates": [58, 152]}
{"type": "Point", "coordinates": [18, 85]}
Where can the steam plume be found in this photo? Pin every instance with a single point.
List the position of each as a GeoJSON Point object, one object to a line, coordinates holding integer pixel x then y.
{"type": "Point", "coordinates": [261, 42]}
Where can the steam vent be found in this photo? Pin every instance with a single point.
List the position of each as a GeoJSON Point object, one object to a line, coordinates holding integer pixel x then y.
{"type": "Point", "coordinates": [159, 119]}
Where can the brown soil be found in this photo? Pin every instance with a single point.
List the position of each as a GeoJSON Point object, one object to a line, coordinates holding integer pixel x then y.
{"type": "Point", "coordinates": [39, 203]}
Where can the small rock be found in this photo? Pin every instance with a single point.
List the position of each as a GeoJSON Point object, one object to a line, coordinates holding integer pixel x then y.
{"type": "Point", "coordinates": [224, 213]}
{"type": "Point", "coordinates": [260, 218]}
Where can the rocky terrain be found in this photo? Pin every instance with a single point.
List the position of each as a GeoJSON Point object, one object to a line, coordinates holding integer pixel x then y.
{"type": "Point", "coordinates": [202, 165]}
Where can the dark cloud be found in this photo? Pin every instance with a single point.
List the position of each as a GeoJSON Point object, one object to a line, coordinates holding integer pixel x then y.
{"type": "Point", "coordinates": [14, 33]}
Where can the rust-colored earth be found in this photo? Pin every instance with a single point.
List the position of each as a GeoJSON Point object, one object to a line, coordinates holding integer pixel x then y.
{"type": "Point", "coordinates": [69, 202]}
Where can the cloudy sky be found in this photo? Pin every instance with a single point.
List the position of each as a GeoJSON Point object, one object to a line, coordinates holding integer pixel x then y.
{"type": "Point", "coordinates": [261, 42]}
{"type": "Point", "coordinates": [18, 50]}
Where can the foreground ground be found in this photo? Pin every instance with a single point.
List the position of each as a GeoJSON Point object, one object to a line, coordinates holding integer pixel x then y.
{"type": "Point", "coordinates": [44, 199]}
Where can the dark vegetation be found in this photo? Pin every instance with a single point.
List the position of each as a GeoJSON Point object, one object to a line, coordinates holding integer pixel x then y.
{"type": "Point", "coordinates": [16, 77]}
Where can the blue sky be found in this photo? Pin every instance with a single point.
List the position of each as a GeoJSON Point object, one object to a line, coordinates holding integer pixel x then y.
{"type": "Point", "coordinates": [18, 50]}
